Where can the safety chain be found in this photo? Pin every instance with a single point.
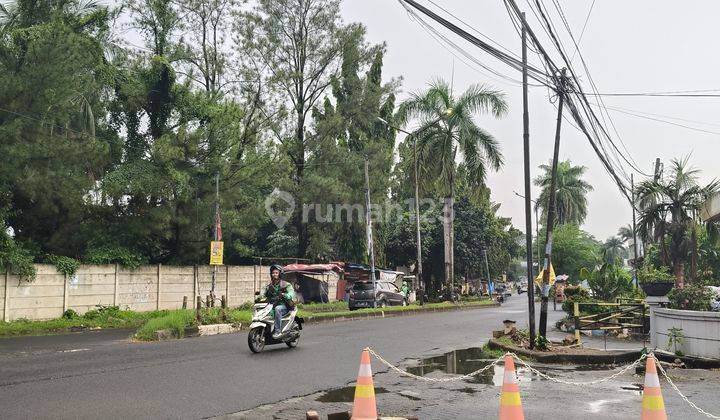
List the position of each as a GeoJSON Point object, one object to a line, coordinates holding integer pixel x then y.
{"type": "Point", "coordinates": [692, 404]}
{"type": "Point", "coordinates": [560, 381]}
{"type": "Point", "coordinates": [493, 364]}
{"type": "Point", "coordinates": [426, 379]}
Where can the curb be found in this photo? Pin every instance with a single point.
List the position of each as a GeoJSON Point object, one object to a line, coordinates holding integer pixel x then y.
{"type": "Point", "coordinates": [217, 329]}
{"type": "Point", "coordinates": [389, 314]}
{"type": "Point", "coordinates": [611, 357]}
{"type": "Point", "coordinates": [689, 361]}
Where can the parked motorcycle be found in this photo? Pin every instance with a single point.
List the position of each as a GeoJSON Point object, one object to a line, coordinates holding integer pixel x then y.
{"type": "Point", "coordinates": [263, 324]}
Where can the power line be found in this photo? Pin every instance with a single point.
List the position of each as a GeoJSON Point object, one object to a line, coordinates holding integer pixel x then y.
{"type": "Point", "coordinates": [661, 95]}
{"type": "Point", "coordinates": [663, 121]}
{"type": "Point", "coordinates": [582, 32]}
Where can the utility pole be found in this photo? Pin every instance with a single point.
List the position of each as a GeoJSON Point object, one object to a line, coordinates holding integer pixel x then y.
{"type": "Point", "coordinates": [634, 227]}
{"type": "Point", "coordinates": [526, 157]}
{"type": "Point", "coordinates": [215, 232]}
{"type": "Point", "coordinates": [551, 210]}
{"type": "Point", "coordinates": [368, 223]}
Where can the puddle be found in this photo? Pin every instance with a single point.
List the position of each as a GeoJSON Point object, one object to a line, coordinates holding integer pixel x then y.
{"type": "Point", "coordinates": [464, 361]}
{"type": "Point", "coordinates": [346, 394]}
{"type": "Point", "coordinates": [466, 390]}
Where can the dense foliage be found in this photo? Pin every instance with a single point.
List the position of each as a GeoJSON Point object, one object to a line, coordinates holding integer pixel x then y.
{"type": "Point", "coordinates": [117, 121]}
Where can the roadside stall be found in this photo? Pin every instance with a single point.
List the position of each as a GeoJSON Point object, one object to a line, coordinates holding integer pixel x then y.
{"type": "Point", "coordinates": [314, 282]}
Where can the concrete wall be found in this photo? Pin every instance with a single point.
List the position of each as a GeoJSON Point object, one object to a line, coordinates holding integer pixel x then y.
{"type": "Point", "coordinates": [147, 288]}
{"type": "Point", "coordinates": [701, 331]}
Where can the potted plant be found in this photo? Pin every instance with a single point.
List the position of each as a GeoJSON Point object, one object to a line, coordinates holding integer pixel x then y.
{"type": "Point", "coordinates": [655, 281]}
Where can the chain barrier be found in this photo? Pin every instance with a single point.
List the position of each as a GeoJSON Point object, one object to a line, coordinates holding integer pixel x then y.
{"type": "Point", "coordinates": [692, 404]}
{"type": "Point", "coordinates": [560, 381]}
{"type": "Point", "coordinates": [494, 363]}
{"type": "Point", "coordinates": [523, 363]}
{"type": "Point", "coordinates": [426, 379]}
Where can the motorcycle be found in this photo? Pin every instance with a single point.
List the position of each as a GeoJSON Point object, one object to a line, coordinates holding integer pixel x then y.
{"type": "Point", "coordinates": [263, 325]}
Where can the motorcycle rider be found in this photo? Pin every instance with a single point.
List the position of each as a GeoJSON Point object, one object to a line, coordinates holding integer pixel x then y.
{"type": "Point", "coordinates": [281, 294]}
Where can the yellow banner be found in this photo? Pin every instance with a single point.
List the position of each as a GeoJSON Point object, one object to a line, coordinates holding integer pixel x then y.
{"type": "Point", "coordinates": [216, 253]}
{"type": "Point", "coordinates": [539, 278]}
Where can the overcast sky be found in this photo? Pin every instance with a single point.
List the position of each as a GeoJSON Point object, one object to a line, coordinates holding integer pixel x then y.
{"type": "Point", "coordinates": [629, 46]}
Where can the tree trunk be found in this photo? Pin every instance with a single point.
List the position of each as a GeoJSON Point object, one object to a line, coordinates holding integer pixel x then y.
{"type": "Point", "coordinates": [299, 174]}
{"type": "Point", "coordinates": [447, 227]}
{"type": "Point", "coordinates": [679, 271]}
{"type": "Point", "coordinates": [449, 234]}
{"type": "Point", "coordinates": [693, 260]}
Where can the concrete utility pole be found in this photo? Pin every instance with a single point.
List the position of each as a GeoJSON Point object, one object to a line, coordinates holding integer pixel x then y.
{"type": "Point", "coordinates": [526, 159]}
{"type": "Point", "coordinates": [551, 210]}
{"type": "Point", "coordinates": [368, 223]}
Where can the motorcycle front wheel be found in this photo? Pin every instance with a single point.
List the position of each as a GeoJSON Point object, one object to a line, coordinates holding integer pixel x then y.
{"type": "Point", "coordinates": [256, 339]}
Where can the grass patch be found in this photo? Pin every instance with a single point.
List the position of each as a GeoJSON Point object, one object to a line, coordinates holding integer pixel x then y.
{"type": "Point", "coordinates": [102, 317]}
{"type": "Point", "coordinates": [176, 321]}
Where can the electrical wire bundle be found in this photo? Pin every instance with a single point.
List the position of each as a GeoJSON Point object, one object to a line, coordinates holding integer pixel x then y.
{"type": "Point", "coordinates": [593, 126]}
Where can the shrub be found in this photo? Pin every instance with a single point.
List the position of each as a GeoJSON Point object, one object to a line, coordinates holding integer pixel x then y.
{"type": "Point", "coordinates": [15, 259]}
{"type": "Point", "coordinates": [65, 265]}
{"type": "Point", "coordinates": [692, 297]}
{"type": "Point", "coordinates": [648, 273]}
{"type": "Point", "coordinates": [608, 282]}
{"type": "Point", "coordinates": [70, 314]}
{"type": "Point", "coordinates": [176, 321]}
{"type": "Point", "coordinates": [114, 255]}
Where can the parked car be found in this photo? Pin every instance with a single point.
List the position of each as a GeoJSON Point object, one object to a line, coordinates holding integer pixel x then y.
{"type": "Point", "coordinates": [522, 288]}
{"type": "Point", "coordinates": [386, 294]}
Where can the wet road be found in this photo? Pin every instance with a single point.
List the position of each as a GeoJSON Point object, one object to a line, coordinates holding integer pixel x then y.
{"type": "Point", "coordinates": [81, 377]}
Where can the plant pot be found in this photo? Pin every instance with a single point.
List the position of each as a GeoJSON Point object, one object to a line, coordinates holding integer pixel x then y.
{"type": "Point", "coordinates": [657, 289]}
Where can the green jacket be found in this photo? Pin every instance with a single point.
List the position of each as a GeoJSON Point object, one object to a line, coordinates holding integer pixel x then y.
{"type": "Point", "coordinates": [283, 289]}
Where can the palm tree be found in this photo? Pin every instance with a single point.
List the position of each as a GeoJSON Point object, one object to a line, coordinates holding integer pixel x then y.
{"type": "Point", "coordinates": [613, 250]}
{"type": "Point", "coordinates": [450, 134]}
{"type": "Point", "coordinates": [571, 198]}
{"type": "Point", "coordinates": [625, 233]}
{"type": "Point", "coordinates": [668, 208]}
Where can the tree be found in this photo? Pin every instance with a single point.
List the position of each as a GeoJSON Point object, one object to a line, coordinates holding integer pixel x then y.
{"type": "Point", "coordinates": [53, 78]}
{"type": "Point", "coordinates": [571, 197]}
{"type": "Point", "coordinates": [453, 134]}
{"type": "Point", "coordinates": [625, 233]}
{"type": "Point", "coordinates": [573, 249]}
{"type": "Point", "coordinates": [667, 210]}
{"type": "Point", "coordinates": [613, 250]}
{"type": "Point", "coordinates": [294, 46]}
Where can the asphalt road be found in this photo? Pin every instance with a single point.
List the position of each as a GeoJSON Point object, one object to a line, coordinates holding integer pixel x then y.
{"type": "Point", "coordinates": [103, 375]}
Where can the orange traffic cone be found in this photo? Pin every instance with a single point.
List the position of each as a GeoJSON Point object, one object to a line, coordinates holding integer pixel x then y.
{"type": "Point", "coordinates": [653, 407]}
{"type": "Point", "coordinates": [364, 406]}
{"type": "Point", "coordinates": [510, 405]}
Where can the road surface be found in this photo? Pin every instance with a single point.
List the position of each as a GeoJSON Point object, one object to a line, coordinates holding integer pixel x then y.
{"type": "Point", "coordinates": [105, 375]}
